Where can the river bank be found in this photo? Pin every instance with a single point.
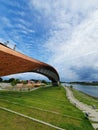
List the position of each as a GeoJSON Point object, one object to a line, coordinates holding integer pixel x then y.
{"type": "Point", "coordinates": [91, 112]}
{"type": "Point", "coordinates": [86, 94]}
{"type": "Point", "coordinates": [85, 98]}
{"type": "Point", "coordinates": [87, 89]}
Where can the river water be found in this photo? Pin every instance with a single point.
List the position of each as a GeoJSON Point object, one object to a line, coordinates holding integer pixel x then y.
{"type": "Point", "coordinates": [88, 89]}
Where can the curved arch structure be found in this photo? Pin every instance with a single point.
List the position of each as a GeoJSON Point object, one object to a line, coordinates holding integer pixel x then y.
{"type": "Point", "coordinates": [13, 62]}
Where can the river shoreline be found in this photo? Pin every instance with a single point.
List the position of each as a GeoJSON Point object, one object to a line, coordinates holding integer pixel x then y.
{"type": "Point", "coordinates": [87, 89]}
{"type": "Point", "coordinates": [85, 93]}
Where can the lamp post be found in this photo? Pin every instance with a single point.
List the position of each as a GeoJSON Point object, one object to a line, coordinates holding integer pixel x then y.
{"type": "Point", "coordinates": [14, 47]}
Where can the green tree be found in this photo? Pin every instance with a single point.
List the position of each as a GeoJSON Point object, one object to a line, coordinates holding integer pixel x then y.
{"type": "Point", "coordinates": [14, 82]}
{"type": "Point", "coordinates": [24, 82]}
{"type": "Point", "coordinates": [11, 80]}
{"type": "Point", "coordinates": [1, 79]}
{"type": "Point", "coordinates": [44, 81]}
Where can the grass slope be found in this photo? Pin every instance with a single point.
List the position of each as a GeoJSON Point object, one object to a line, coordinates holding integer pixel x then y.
{"type": "Point", "coordinates": [9, 121]}
{"type": "Point", "coordinates": [49, 98]}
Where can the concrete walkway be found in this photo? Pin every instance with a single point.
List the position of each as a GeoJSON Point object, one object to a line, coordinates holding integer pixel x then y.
{"type": "Point", "coordinates": [93, 113]}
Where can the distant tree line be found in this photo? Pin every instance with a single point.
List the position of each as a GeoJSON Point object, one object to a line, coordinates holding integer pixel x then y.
{"type": "Point", "coordinates": [85, 83]}
{"type": "Point", "coordinates": [14, 81]}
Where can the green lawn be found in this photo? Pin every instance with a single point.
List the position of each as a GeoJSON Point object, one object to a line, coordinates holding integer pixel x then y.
{"type": "Point", "coordinates": [52, 99]}
{"type": "Point", "coordinates": [9, 121]}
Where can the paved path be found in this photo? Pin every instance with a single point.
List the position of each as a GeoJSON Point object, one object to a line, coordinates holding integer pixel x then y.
{"type": "Point", "coordinates": [93, 113]}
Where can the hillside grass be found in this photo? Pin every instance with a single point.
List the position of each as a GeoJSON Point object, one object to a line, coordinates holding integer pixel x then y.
{"type": "Point", "coordinates": [10, 121]}
{"type": "Point", "coordinates": [41, 104]}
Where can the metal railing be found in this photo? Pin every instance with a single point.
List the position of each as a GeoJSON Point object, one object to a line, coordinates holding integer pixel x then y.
{"type": "Point", "coordinates": [9, 45]}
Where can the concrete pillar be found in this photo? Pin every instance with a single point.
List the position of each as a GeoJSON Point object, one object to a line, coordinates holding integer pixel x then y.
{"type": "Point", "coordinates": [55, 83]}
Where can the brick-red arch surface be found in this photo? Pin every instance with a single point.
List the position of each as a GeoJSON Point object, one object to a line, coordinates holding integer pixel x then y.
{"type": "Point", "coordinates": [13, 62]}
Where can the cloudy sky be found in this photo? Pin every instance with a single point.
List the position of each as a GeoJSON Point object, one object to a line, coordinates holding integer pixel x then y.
{"type": "Point", "coordinates": [62, 33]}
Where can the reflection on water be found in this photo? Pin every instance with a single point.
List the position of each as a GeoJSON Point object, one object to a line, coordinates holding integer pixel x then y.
{"type": "Point", "coordinates": [88, 89]}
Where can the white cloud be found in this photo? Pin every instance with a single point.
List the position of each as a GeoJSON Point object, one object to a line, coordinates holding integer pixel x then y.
{"type": "Point", "coordinates": [73, 34]}
{"type": "Point", "coordinates": [26, 76]}
{"type": "Point", "coordinates": [74, 45]}
{"type": "Point", "coordinates": [51, 6]}
{"type": "Point", "coordinates": [24, 28]}
{"type": "Point", "coordinates": [78, 51]}
{"type": "Point", "coordinates": [6, 22]}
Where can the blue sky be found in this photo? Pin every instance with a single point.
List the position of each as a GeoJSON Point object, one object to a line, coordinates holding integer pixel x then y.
{"type": "Point", "coordinates": [62, 33]}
